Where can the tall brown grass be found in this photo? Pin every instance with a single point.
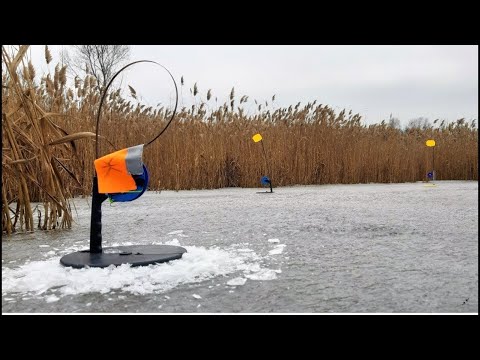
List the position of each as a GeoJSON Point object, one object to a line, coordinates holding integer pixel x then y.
{"type": "Point", "coordinates": [48, 148]}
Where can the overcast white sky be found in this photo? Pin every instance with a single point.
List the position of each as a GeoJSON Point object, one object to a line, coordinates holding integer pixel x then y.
{"type": "Point", "coordinates": [373, 80]}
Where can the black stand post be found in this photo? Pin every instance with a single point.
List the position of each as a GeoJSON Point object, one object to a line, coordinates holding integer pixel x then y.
{"type": "Point", "coordinates": [96, 219]}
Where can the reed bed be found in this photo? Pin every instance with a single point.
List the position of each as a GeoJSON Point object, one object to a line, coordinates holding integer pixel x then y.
{"type": "Point", "coordinates": [49, 146]}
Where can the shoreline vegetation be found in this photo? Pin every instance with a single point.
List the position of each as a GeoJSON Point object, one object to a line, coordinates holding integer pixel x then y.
{"type": "Point", "coordinates": [48, 143]}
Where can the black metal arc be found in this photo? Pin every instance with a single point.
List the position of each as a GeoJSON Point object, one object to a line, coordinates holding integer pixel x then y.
{"type": "Point", "coordinates": [267, 165]}
{"type": "Point", "coordinates": [265, 158]}
{"type": "Point", "coordinates": [433, 164]}
{"type": "Point", "coordinates": [105, 95]}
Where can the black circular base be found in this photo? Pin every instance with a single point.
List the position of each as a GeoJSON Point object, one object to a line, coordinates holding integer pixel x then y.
{"type": "Point", "coordinates": [136, 255]}
{"type": "Point", "coordinates": [264, 192]}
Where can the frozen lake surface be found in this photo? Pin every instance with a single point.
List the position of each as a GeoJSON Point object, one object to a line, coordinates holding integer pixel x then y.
{"type": "Point", "coordinates": [389, 248]}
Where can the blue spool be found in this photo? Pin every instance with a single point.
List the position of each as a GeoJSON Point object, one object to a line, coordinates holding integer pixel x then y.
{"type": "Point", "coordinates": [265, 181]}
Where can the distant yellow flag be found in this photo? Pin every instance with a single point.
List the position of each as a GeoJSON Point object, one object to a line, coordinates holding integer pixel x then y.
{"type": "Point", "coordinates": [430, 143]}
{"type": "Point", "coordinates": [257, 137]}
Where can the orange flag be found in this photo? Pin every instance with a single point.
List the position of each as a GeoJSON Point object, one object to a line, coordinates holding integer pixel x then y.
{"type": "Point", "coordinates": [113, 170]}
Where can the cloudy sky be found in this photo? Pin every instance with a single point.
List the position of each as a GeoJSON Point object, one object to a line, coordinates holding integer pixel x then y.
{"type": "Point", "coordinates": [376, 81]}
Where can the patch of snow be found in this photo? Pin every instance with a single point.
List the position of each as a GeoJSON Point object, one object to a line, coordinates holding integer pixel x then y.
{"type": "Point", "coordinates": [277, 250]}
{"type": "Point", "coordinates": [237, 281]}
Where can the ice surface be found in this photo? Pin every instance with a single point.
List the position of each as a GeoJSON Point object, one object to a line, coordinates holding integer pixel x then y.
{"type": "Point", "coordinates": [341, 248]}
